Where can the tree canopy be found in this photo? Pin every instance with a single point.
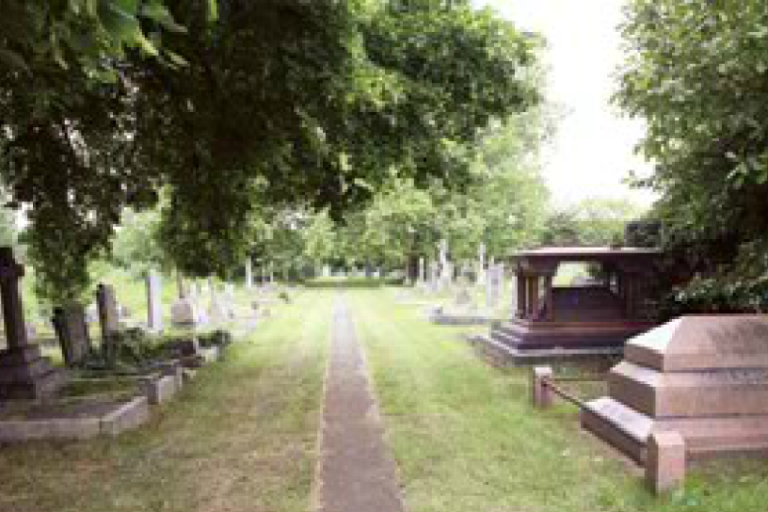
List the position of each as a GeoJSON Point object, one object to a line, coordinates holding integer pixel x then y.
{"type": "Point", "coordinates": [223, 107]}
{"type": "Point", "coordinates": [696, 73]}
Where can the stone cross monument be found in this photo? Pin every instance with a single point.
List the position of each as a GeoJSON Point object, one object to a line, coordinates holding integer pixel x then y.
{"type": "Point", "coordinates": [24, 373]}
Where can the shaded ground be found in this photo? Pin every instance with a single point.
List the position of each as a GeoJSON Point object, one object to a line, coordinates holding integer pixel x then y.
{"type": "Point", "coordinates": [242, 436]}
{"type": "Point", "coordinates": [356, 470]}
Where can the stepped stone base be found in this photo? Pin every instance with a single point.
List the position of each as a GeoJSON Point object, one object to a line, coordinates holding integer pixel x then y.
{"type": "Point", "coordinates": [26, 375]}
{"type": "Point", "coordinates": [703, 377]}
{"type": "Point", "coordinates": [504, 353]}
{"type": "Point", "coordinates": [525, 335]}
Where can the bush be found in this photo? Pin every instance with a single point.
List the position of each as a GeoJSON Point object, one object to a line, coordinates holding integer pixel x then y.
{"type": "Point", "coordinates": [717, 295]}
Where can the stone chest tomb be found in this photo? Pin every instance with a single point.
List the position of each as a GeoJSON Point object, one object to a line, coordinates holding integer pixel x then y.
{"type": "Point", "coordinates": [597, 313]}
{"type": "Point", "coordinates": [704, 377]}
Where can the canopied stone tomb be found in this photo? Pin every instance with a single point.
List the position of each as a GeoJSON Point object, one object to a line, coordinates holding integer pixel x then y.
{"type": "Point", "coordinates": [704, 377]}
{"type": "Point", "coordinates": [601, 313]}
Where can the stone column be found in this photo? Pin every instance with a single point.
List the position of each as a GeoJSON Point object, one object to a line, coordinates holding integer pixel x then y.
{"type": "Point", "coordinates": [24, 373]}
{"type": "Point", "coordinates": [533, 289]}
{"type": "Point", "coordinates": [522, 295]}
{"type": "Point", "coordinates": [550, 300]}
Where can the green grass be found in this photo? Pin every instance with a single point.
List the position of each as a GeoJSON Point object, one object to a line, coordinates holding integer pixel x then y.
{"type": "Point", "coordinates": [465, 437]}
{"type": "Point", "coordinates": [242, 436]}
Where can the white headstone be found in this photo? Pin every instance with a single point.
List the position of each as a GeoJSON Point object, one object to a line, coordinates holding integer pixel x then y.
{"type": "Point", "coordinates": [154, 301]}
{"type": "Point", "coordinates": [248, 273]}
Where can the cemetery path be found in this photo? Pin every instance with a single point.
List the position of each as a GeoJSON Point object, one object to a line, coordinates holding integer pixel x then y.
{"type": "Point", "coordinates": [356, 471]}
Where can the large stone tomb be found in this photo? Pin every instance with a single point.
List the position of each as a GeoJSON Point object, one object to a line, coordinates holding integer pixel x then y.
{"type": "Point", "coordinates": [704, 377]}
{"type": "Point", "coordinates": [601, 314]}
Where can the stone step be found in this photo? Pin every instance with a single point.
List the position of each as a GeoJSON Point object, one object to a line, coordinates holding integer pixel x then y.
{"type": "Point", "coordinates": [622, 427]}
{"type": "Point", "coordinates": [628, 430]}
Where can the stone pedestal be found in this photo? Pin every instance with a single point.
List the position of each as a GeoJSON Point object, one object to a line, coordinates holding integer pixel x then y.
{"type": "Point", "coordinates": [703, 377]}
{"type": "Point", "coordinates": [25, 374]}
{"type": "Point", "coordinates": [665, 467]}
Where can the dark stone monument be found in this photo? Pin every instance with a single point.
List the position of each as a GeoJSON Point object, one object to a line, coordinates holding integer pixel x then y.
{"type": "Point", "coordinates": [72, 331]}
{"type": "Point", "coordinates": [601, 314]}
{"type": "Point", "coordinates": [703, 377]}
{"type": "Point", "coordinates": [24, 373]}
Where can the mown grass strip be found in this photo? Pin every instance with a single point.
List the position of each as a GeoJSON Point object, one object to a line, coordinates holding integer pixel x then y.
{"type": "Point", "coordinates": [465, 437]}
{"type": "Point", "coordinates": [242, 436]}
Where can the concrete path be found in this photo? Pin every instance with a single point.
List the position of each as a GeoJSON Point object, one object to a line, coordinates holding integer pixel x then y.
{"type": "Point", "coordinates": [356, 471]}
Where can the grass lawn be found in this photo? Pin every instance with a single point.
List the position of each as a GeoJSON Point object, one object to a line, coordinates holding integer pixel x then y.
{"type": "Point", "coordinates": [466, 439]}
{"type": "Point", "coordinates": [241, 437]}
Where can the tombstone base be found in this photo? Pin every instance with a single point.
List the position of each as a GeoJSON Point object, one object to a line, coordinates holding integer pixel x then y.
{"type": "Point", "coordinates": [525, 335]}
{"type": "Point", "coordinates": [26, 374]}
{"type": "Point", "coordinates": [705, 437]}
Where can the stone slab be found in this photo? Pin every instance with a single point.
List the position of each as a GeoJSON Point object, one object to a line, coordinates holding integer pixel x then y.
{"type": "Point", "coordinates": [106, 419]}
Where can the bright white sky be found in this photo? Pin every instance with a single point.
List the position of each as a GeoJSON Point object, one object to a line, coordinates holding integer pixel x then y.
{"type": "Point", "coordinates": [593, 149]}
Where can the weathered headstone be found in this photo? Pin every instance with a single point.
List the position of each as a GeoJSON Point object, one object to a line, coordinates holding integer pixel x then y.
{"type": "Point", "coordinates": [185, 313]}
{"type": "Point", "coordinates": [704, 377]}
{"type": "Point", "coordinates": [493, 286]}
{"type": "Point", "coordinates": [434, 279]}
{"type": "Point", "coordinates": [154, 302]}
{"type": "Point", "coordinates": [464, 296]}
{"type": "Point", "coordinates": [24, 373]}
{"type": "Point", "coordinates": [72, 332]}
{"type": "Point", "coordinates": [217, 309]}
{"type": "Point", "coordinates": [109, 319]}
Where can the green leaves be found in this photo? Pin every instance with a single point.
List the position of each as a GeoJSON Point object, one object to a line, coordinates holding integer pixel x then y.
{"type": "Point", "coordinates": [696, 74]}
